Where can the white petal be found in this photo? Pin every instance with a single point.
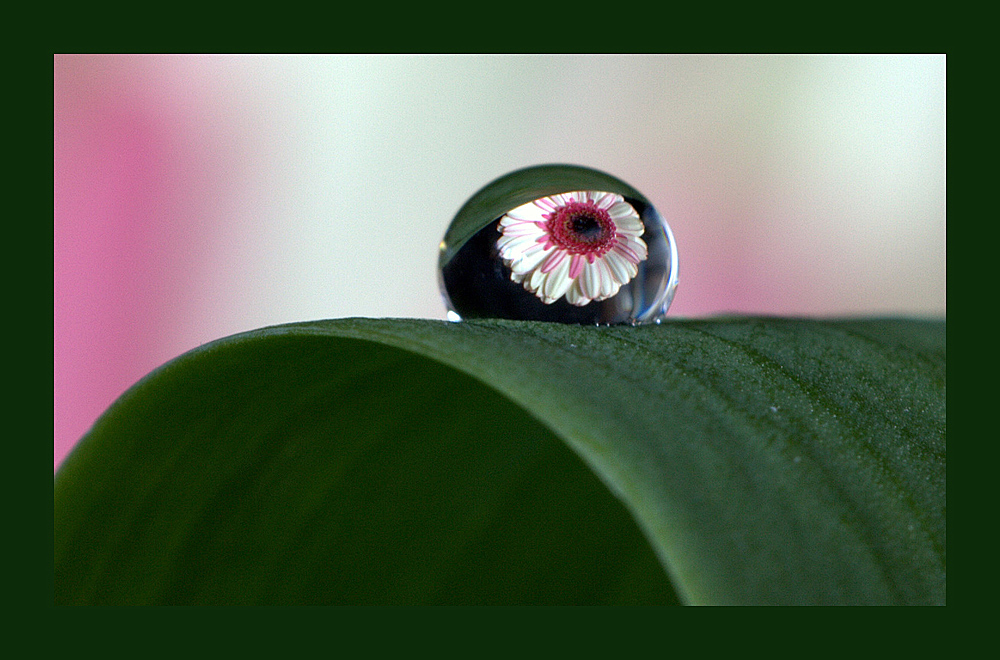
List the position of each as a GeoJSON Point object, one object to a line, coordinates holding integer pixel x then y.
{"type": "Point", "coordinates": [621, 268]}
{"type": "Point", "coordinates": [629, 226]}
{"type": "Point", "coordinates": [621, 208]}
{"type": "Point", "coordinates": [633, 249]}
{"type": "Point", "coordinates": [590, 281]}
{"type": "Point", "coordinates": [512, 247]}
{"type": "Point", "coordinates": [526, 213]}
{"type": "Point", "coordinates": [609, 286]}
{"type": "Point", "coordinates": [555, 259]}
{"type": "Point", "coordinates": [546, 204]}
{"type": "Point", "coordinates": [639, 247]}
{"type": "Point", "coordinates": [575, 295]}
{"type": "Point", "coordinates": [535, 281]}
{"type": "Point", "coordinates": [518, 228]}
{"type": "Point", "coordinates": [624, 212]}
{"type": "Point", "coordinates": [528, 261]}
{"type": "Point", "coordinates": [605, 200]}
{"type": "Point", "coordinates": [551, 203]}
{"type": "Point", "coordinates": [556, 283]}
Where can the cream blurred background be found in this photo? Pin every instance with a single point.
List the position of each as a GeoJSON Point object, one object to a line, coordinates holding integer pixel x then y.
{"type": "Point", "coordinates": [200, 196]}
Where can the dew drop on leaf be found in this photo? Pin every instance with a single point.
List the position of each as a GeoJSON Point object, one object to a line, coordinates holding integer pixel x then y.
{"type": "Point", "coordinates": [559, 243]}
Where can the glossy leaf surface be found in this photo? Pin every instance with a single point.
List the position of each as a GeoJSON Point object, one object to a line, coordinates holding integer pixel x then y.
{"type": "Point", "coordinates": [753, 461]}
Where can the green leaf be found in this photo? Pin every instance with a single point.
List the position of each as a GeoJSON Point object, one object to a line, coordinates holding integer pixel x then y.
{"type": "Point", "coordinates": [358, 461]}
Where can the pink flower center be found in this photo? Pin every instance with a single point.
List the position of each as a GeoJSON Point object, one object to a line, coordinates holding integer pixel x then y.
{"type": "Point", "coordinates": [581, 228]}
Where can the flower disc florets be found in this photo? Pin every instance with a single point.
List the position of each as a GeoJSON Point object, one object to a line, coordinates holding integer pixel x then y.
{"type": "Point", "coordinates": [582, 229]}
{"type": "Point", "coordinates": [583, 244]}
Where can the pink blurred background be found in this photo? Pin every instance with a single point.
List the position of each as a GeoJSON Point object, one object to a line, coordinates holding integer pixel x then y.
{"type": "Point", "coordinates": [197, 197]}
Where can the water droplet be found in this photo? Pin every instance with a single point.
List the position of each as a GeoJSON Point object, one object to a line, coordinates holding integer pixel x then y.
{"type": "Point", "coordinates": [558, 243]}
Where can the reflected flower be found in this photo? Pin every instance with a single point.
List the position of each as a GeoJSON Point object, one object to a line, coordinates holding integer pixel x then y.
{"type": "Point", "coordinates": [585, 245]}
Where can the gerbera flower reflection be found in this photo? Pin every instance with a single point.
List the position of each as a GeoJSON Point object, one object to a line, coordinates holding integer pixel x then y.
{"type": "Point", "coordinates": [585, 245]}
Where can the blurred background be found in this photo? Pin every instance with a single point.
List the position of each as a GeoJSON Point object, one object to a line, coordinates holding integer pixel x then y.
{"type": "Point", "coordinates": [201, 196]}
